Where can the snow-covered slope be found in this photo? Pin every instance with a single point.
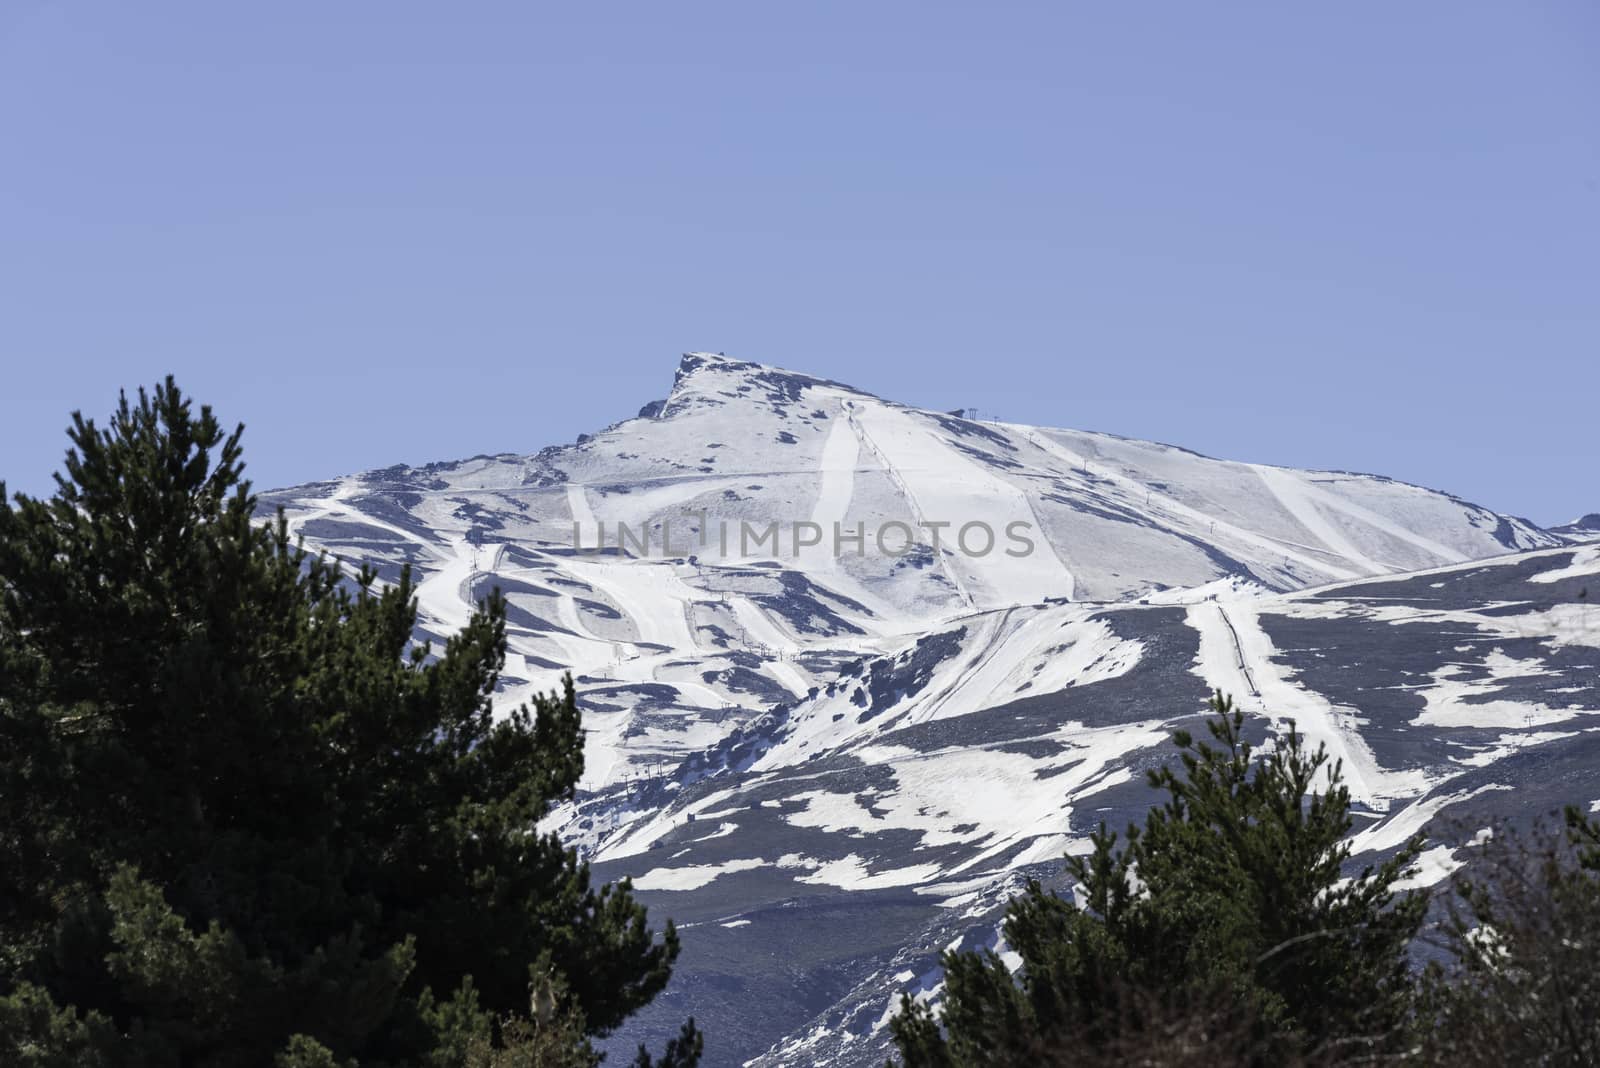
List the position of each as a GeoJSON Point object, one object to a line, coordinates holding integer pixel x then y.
{"type": "Point", "coordinates": [707, 605]}
{"type": "Point", "coordinates": [893, 813]}
{"type": "Point", "coordinates": [845, 753]}
{"type": "Point", "coordinates": [1584, 528]}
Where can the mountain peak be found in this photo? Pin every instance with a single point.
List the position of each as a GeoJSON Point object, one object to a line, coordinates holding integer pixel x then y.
{"type": "Point", "coordinates": [691, 364]}
{"type": "Point", "coordinates": [1584, 528]}
{"type": "Point", "coordinates": [716, 372]}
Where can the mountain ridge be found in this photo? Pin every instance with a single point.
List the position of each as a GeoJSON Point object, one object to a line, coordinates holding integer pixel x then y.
{"type": "Point", "coordinates": [741, 444]}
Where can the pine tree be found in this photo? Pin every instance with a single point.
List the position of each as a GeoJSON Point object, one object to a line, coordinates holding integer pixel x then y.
{"type": "Point", "coordinates": [247, 821]}
{"type": "Point", "coordinates": [1521, 985]}
{"type": "Point", "coordinates": [1224, 923]}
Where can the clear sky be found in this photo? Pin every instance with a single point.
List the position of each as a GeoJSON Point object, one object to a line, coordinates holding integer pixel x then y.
{"type": "Point", "coordinates": [1356, 235]}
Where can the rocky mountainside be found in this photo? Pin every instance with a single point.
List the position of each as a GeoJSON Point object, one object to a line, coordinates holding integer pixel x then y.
{"type": "Point", "coordinates": [852, 670]}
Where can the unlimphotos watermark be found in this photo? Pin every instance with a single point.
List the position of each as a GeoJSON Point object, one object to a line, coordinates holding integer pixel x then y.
{"type": "Point", "coordinates": [776, 539]}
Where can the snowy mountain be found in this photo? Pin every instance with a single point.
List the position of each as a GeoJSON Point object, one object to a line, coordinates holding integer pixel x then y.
{"type": "Point", "coordinates": [707, 611]}
{"type": "Point", "coordinates": [851, 670]}
{"type": "Point", "coordinates": [1584, 528]}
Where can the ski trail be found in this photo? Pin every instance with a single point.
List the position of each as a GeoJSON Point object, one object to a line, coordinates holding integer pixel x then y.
{"type": "Point", "coordinates": [582, 515]}
{"type": "Point", "coordinates": [567, 615]}
{"type": "Point", "coordinates": [1238, 648]}
{"type": "Point", "coordinates": [650, 594]}
{"type": "Point", "coordinates": [481, 577]}
{"type": "Point", "coordinates": [760, 628]}
{"type": "Point", "coordinates": [841, 453]}
{"type": "Point", "coordinates": [1297, 499]}
{"type": "Point", "coordinates": [444, 593]}
{"type": "Point", "coordinates": [813, 731]}
{"type": "Point", "coordinates": [899, 481]}
{"type": "Point", "coordinates": [789, 676]}
{"type": "Point", "coordinates": [1315, 717]}
{"type": "Point", "coordinates": [838, 479]}
{"type": "Point", "coordinates": [949, 678]}
{"type": "Point", "coordinates": [955, 689]}
{"type": "Point", "coordinates": [332, 504]}
{"type": "Point", "coordinates": [933, 475]}
{"type": "Point", "coordinates": [338, 505]}
{"type": "Point", "coordinates": [583, 649]}
{"type": "Point", "coordinates": [449, 594]}
{"type": "Point", "coordinates": [1237, 656]}
{"type": "Point", "coordinates": [687, 689]}
{"type": "Point", "coordinates": [1372, 519]}
{"type": "Point", "coordinates": [1178, 509]}
{"type": "Point", "coordinates": [986, 667]}
{"type": "Point", "coordinates": [1220, 660]}
{"type": "Point", "coordinates": [441, 594]}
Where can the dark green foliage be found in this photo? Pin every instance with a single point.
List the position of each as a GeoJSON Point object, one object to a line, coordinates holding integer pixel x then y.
{"type": "Point", "coordinates": [1524, 937]}
{"type": "Point", "coordinates": [1223, 921]}
{"type": "Point", "coordinates": [681, 1052]}
{"type": "Point", "coordinates": [244, 820]}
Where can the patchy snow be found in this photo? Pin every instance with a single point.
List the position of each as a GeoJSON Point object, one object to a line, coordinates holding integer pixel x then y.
{"type": "Point", "coordinates": [1077, 653]}
{"type": "Point", "coordinates": [692, 877]}
{"type": "Point", "coordinates": [1434, 865]}
{"type": "Point", "coordinates": [1398, 827]}
{"type": "Point", "coordinates": [989, 797]}
{"type": "Point", "coordinates": [851, 872]}
{"type": "Point", "coordinates": [1584, 562]}
{"type": "Point", "coordinates": [1005, 655]}
{"type": "Point", "coordinates": [640, 836]}
{"type": "Point", "coordinates": [1507, 744]}
{"type": "Point", "coordinates": [1447, 704]}
{"type": "Point", "coordinates": [1237, 656]}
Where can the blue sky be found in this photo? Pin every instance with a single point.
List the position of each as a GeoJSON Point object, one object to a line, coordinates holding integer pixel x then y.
{"type": "Point", "coordinates": [1361, 236]}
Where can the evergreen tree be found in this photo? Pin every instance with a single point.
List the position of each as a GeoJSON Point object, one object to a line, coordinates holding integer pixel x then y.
{"type": "Point", "coordinates": [1524, 932]}
{"type": "Point", "coordinates": [1224, 923]}
{"type": "Point", "coordinates": [246, 821]}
